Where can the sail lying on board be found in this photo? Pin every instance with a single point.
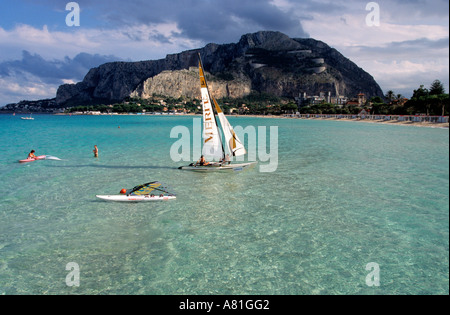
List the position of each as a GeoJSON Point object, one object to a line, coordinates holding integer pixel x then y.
{"type": "Point", "coordinates": [149, 188]}
{"type": "Point", "coordinates": [212, 143]}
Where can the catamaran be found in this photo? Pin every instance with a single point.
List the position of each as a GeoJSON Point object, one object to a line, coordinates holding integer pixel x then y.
{"type": "Point", "coordinates": [213, 147]}
{"type": "Point", "coordinates": [27, 117]}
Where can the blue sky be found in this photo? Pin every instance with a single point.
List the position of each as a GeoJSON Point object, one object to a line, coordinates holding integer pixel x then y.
{"type": "Point", "coordinates": [39, 51]}
{"type": "Point", "coordinates": [15, 12]}
{"type": "Point", "coordinates": [38, 13]}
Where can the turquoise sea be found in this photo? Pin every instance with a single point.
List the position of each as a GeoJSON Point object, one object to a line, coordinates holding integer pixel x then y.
{"type": "Point", "coordinates": [344, 195]}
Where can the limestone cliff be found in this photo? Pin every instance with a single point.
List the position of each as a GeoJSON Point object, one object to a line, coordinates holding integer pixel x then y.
{"type": "Point", "coordinates": [265, 62]}
{"type": "Point", "coordinates": [185, 83]}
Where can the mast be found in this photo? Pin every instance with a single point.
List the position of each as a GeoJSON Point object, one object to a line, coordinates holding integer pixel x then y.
{"type": "Point", "coordinates": [212, 142]}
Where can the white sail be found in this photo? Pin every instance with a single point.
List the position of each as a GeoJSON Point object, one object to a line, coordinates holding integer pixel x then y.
{"type": "Point", "coordinates": [234, 145]}
{"type": "Point", "coordinates": [212, 141]}
{"type": "Point", "coordinates": [212, 145]}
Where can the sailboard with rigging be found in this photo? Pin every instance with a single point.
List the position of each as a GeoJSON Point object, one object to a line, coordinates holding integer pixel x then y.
{"type": "Point", "coordinates": [153, 191]}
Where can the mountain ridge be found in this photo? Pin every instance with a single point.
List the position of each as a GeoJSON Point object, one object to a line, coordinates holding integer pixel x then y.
{"type": "Point", "coordinates": [263, 62]}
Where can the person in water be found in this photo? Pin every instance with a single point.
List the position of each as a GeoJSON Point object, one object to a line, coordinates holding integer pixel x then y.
{"type": "Point", "coordinates": [202, 161]}
{"type": "Point", "coordinates": [32, 155]}
{"type": "Point", "coordinates": [95, 151]}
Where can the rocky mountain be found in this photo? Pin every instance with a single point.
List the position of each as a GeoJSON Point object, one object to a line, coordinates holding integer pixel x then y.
{"type": "Point", "coordinates": [185, 83]}
{"type": "Point", "coordinates": [264, 62]}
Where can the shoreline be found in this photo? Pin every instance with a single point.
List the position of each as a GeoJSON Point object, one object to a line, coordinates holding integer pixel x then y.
{"type": "Point", "coordinates": [370, 121]}
{"type": "Point", "coordinates": [425, 124]}
{"type": "Point", "coordinates": [389, 122]}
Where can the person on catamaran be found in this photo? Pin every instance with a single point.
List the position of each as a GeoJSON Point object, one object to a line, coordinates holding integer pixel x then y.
{"type": "Point", "coordinates": [202, 161]}
{"type": "Point", "coordinates": [32, 155]}
{"type": "Point", "coordinates": [225, 160]}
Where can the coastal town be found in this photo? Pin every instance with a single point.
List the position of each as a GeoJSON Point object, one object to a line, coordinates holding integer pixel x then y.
{"type": "Point", "coordinates": [426, 107]}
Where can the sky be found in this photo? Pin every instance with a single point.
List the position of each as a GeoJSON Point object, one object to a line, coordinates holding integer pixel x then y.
{"type": "Point", "coordinates": [402, 43]}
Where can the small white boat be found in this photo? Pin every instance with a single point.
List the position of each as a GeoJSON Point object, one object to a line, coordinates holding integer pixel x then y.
{"type": "Point", "coordinates": [27, 117]}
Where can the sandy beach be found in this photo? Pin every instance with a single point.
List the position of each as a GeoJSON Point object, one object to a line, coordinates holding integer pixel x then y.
{"type": "Point", "coordinates": [371, 121]}
{"type": "Point", "coordinates": [391, 122]}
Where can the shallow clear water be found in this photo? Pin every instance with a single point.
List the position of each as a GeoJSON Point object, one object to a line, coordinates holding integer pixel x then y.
{"type": "Point", "coordinates": [345, 194]}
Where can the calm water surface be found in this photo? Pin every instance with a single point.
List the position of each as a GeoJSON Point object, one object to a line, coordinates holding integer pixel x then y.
{"type": "Point", "coordinates": [344, 195]}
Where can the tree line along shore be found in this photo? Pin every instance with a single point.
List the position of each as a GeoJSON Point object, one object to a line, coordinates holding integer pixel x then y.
{"type": "Point", "coordinates": [431, 101]}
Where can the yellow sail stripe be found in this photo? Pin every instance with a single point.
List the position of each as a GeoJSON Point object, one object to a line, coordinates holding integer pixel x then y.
{"type": "Point", "coordinates": [202, 76]}
{"type": "Point", "coordinates": [218, 109]}
{"type": "Point", "coordinates": [146, 190]}
{"type": "Point", "coordinates": [233, 141]}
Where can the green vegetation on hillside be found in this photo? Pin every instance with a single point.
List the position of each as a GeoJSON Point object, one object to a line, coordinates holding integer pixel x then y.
{"type": "Point", "coordinates": [134, 105]}
{"type": "Point", "coordinates": [255, 103]}
{"type": "Point", "coordinates": [433, 101]}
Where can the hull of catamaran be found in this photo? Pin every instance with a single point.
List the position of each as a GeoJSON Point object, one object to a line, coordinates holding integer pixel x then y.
{"type": "Point", "coordinates": [218, 168]}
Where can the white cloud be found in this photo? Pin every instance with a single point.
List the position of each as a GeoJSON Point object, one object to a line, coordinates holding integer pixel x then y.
{"type": "Point", "coordinates": [131, 42]}
{"type": "Point", "coordinates": [398, 56]}
{"type": "Point", "coordinates": [51, 51]}
{"type": "Point", "coordinates": [68, 81]}
{"type": "Point", "coordinates": [16, 88]}
{"type": "Point", "coordinates": [354, 31]}
{"type": "Point", "coordinates": [405, 76]}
